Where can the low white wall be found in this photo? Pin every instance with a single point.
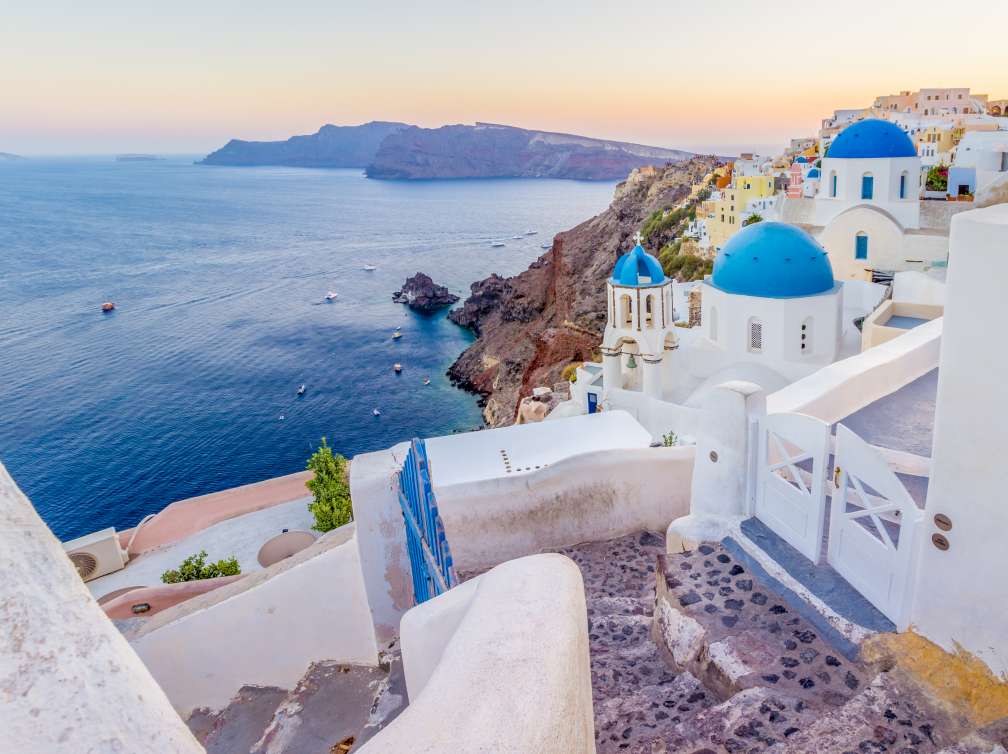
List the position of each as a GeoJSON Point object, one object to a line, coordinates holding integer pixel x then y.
{"type": "Point", "coordinates": [656, 416]}
{"type": "Point", "coordinates": [267, 633]}
{"type": "Point", "coordinates": [848, 385]}
{"type": "Point", "coordinates": [498, 664]}
{"type": "Point", "coordinates": [918, 288]}
{"type": "Point", "coordinates": [69, 682]}
{"type": "Point", "coordinates": [583, 498]}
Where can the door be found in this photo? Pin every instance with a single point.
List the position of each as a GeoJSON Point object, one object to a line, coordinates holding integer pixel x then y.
{"type": "Point", "coordinates": [592, 403]}
{"type": "Point", "coordinates": [873, 524]}
{"type": "Point", "coordinates": [791, 479]}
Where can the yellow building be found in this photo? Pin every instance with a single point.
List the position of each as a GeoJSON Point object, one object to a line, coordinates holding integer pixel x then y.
{"type": "Point", "coordinates": [726, 214]}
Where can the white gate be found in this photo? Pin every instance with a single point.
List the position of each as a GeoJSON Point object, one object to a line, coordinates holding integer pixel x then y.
{"type": "Point", "coordinates": [873, 524]}
{"type": "Point", "coordinates": [791, 479]}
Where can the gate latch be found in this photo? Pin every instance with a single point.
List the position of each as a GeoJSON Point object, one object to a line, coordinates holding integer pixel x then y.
{"type": "Point", "coordinates": [836, 477]}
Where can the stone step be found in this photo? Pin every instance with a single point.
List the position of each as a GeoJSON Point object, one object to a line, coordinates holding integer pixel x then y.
{"type": "Point", "coordinates": [890, 714]}
{"type": "Point", "coordinates": [237, 727]}
{"type": "Point", "coordinates": [648, 716]}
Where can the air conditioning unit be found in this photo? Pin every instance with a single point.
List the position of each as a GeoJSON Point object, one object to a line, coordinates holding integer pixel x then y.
{"type": "Point", "coordinates": [96, 554]}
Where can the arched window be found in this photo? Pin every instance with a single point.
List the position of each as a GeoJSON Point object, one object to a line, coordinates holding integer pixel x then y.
{"type": "Point", "coordinates": [903, 185]}
{"type": "Point", "coordinates": [867, 186]}
{"type": "Point", "coordinates": [861, 245]}
{"type": "Point", "coordinates": [806, 336]}
{"type": "Point", "coordinates": [755, 335]}
{"type": "Point", "coordinates": [626, 310]}
{"type": "Point", "coordinates": [712, 328]}
{"type": "Point", "coordinates": [649, 310]}
{"type": "Point", "coordinates": [832, 191]}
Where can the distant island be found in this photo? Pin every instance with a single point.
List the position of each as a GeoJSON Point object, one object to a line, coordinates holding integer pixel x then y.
{"type": "Point", "coordinates": [10, 156]}
{"type": "Point", "coordinates": [329, 147]}
{"type": "Point", "coordinates": [484, 150]}
{"type": "Point", "coordinates": [137, 158]}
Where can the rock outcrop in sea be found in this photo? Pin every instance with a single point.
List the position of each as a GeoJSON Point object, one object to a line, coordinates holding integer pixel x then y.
{"type": "Point", "coordinates": [422, 294]}
{"type": "Point", "coordinates": [532, 325]}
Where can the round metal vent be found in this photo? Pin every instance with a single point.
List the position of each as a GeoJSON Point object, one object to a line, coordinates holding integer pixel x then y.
{"type": "Point", "coordinates": [85, 563]}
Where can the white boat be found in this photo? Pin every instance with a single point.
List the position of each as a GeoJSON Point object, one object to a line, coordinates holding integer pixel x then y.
{"type": "Point", "coordinates": [496, 244]}
{"type": "Point", "coordinates": [516, 238]}
{"type": "Point", "coordinates": [397, 368]}
{"type": "Point", "coordinates": [531, 232]}
{"type": "Point", "coordinates": [301, 390]}
{"type": "Point", "coordinates": [375, 412]}
{"type": "Point", "coordinates": [331, 296]}
{"type": "Point", "coordinates": [546, 246]}
{"type": "Point", "coordinates": [426, 380]}
{"type": "Point", "coordinates": [369, 268]}
{"type": "Point", "coordinates": [396, 335]}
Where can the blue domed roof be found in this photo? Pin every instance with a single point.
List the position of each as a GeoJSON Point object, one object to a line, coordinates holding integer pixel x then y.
{"type": "Point", "coordinates": [801, 159]}
{"type": "Point", "coordinates": [813, 173]}
{"type": "Point", "coordinates": [872, 138]}
{"type": "Point", "coordinates": [637, 268]}
{"type": "Point", "coordinates": [773, 260]}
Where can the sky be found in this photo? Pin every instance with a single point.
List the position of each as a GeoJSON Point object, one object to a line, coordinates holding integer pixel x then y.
{"type": "Point", "coordinates": [721, 76]}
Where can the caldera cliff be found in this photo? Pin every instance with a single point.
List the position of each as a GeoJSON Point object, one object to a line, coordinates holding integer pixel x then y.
{"type": "Point", "coordinates": [534, 324]}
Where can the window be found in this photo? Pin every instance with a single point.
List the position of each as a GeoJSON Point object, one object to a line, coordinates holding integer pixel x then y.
{"type": "Point", "coordinates": [861, 246]}
{"type": "Point", "coordinates": [806, 336]}
{"type": "Point", "coordinates": [867, 186]}
{"type": "Point", "coordinates": [649, 310]}
{"type": "Point", "coordinates": [712, 331]}
{"type": "Point", "coordinates": [755, 336]}
{"type": "Point", "coordinates": [833, 185]}
{"type": "Point", "coordinates": [903, 181]}
{"type": "Point", "coordinates": [626, 310]}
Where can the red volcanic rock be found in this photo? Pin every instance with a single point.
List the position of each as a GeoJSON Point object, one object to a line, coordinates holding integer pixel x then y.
{"type": "Point", "coordinates": [532, 325]}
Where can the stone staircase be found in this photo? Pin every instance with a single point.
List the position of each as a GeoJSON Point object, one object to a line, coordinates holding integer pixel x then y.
{"type": "Point", "coordinates": [711, 661]}
{"type": "Point", "coordinates": [334, 709]}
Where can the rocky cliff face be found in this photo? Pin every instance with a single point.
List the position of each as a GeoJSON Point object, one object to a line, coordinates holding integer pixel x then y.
{"type": "Point", "coordinates": [534, 324]}
{"type": "Point", "coordinates": [329, 147]}
{"type": "Point", "coordinates": [488, 150]}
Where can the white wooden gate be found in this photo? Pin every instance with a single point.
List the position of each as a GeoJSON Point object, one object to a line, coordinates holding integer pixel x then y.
{"type": "Point", "coordinates": [791, 479]}
{"type": "Point", "coordinates": [873, 524]}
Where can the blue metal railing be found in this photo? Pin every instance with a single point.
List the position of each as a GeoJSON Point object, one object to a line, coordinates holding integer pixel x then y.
{"type": "Point", "coordinates": [430, 557]}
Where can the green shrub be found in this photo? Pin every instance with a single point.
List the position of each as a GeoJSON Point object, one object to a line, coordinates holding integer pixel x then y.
{"type": "Point", "coordinates": [330, 489]}
{"type": "Point", "coordinates": [669, 439]}
{"type": "Point", "coordinates": [195, 568]}
{"type": "Point", "coordinates": [937, 178]}
{"type": "Point", "coordinates": [752, 219]}
{"type": "Point", "coordinates": [569, 372]}
{"type": "Point", "coordinates": [682, 265]}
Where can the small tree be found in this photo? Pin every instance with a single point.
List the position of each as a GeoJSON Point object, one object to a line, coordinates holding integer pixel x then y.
{"type": "Point", "coordinates": [195, 568]}
{"type": "Point", "coordinates": [330, 489]}
{"type": "Point", "coordinates": [752, 219]}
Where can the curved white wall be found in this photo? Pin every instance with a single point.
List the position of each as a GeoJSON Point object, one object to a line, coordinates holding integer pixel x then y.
{"type": "Point", "coordinates": [584, 498]}
{"type": "Point", "coordinates": [498, 664]}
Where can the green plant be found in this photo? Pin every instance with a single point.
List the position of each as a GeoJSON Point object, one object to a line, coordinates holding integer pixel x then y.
{"type": "Point", "coordinates": [682, 265]}
{"type": "Point", "coordinates": [195, 568]}
{"type": "Point", "coordinates": [569, 372]}
{"type": "Point", "coordinates": [752, 219]}
{"type": "Point", "coordinates": [669, 439]}
{"type": "Point", "coordinates": [330, 489]}
{"type": "Point", "coordinates": [937, 178]}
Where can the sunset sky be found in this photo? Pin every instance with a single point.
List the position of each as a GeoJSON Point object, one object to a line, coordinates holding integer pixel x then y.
{"type": "Point", "coordinates": [184, 77]}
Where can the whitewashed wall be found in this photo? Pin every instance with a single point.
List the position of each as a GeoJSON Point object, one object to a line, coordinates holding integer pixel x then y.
{"type": "Point", "coordinates": [263, 630]}
{"type": "Point", "coordinates": [583, 498]}
{"type": "Point", "coordinates": [69, 682]}
{"type": "Point", "coordinates": [498, 664]}
{"type": "Point", "coordinates": [961, 593]}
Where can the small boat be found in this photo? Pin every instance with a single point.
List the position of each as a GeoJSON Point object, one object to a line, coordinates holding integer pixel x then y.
{"type": "Point", "coordinates": [369, 268]}
{"type": "Point", "coordinates": [331, 296]}
{"type": "Point", "coordinates": [375, 412]}
{"type": "Point", "coordinates": [496, 244]}
{"type": "Point", "coordinates": [531, 232]}
{"type": "Point", "coordinates": [301, 390]}
{"type": "Point", "coordinates": [107, 307]}
{"type": "Point", "coordinates": [396, 335]}
{"type": "Point", "coordinates": [516, 238]}
{"type": "Point", "coordinates": [426, 380]}
{"type": "Point", "coordinates": [546, 246]}
{"type": "Point", "coordinates": [397, 367]}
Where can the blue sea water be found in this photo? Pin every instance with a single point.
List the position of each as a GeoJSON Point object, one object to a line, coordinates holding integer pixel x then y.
{"type": "Point", "coordinates": [218, 276]}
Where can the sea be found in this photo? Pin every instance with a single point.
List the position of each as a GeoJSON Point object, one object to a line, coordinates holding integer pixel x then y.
{"type": "Point", "coordinates": [219, 277]}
